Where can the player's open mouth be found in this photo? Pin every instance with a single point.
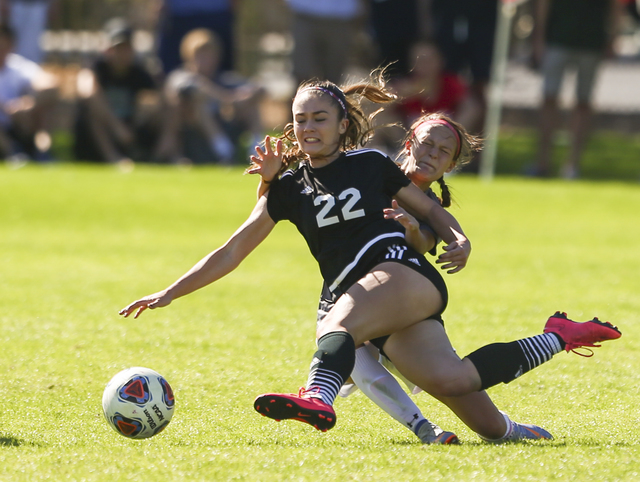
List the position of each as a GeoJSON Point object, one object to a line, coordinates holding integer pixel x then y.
{"type": "Point", "coordinates": [425, 165]}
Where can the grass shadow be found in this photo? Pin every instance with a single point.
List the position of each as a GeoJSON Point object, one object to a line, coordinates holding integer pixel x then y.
{"type": "Point", "coordinates": [7, 440]}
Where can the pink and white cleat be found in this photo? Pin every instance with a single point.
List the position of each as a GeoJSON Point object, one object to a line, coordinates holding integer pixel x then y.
{"type": "Point", "coordinates": [301, 407]}
{"type": "Point", "coordinates": [580, 335]}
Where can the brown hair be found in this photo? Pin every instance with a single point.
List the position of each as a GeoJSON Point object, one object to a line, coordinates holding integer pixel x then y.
{"type": "Point", "coordinates": [348, 99]}
{"type": "Point", "coordinates": [469, 145]}
{"type": "Point", "coordinates": [197, 39]}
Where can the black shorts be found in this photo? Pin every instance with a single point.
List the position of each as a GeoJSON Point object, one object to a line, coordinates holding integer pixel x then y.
{"type": "Point", "coordinates": [400, 253]}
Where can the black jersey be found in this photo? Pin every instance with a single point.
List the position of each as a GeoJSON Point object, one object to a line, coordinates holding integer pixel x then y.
{"type": "Point", "coordinates": [338, 209]}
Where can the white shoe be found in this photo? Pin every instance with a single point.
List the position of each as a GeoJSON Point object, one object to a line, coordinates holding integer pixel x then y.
{"type": "Point", "coordinates": [430, 433]}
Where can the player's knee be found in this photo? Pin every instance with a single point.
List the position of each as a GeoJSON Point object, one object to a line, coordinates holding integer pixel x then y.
{"type": "Point", "coordinates": [445, 383]}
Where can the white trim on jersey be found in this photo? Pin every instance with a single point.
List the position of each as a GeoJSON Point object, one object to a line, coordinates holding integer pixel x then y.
{"type": "Point", "coordinates": [368, 149]}
{"type": "Point", "coordinates": [360, 254]}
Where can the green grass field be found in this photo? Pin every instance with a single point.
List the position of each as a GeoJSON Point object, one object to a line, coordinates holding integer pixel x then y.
{"type": "Point", "coordinates": [77, 243]}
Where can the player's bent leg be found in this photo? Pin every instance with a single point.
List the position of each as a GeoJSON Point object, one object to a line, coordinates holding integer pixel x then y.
{"type": "Point", "coordinates": [389, 298]}
{"type": "Point", "coordinates": [424, 355]}
{"type": "Point", "coordinates": [331, 366]}
{"type": "Point", "coordinates": [504, 362]}
{"type": "Point", "coordinates": [477, 411]}
{"type": "Point", "coordinates": [383, 389]}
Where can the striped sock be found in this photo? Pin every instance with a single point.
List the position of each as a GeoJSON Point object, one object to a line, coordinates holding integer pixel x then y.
{"type": "Point", "coordinates": [331, 366]}
{"type": "Point", "coordinates": [504, 362]}
{"type": "Point", "coordinates": [539, 349]}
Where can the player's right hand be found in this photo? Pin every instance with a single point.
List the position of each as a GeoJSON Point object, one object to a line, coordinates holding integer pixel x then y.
{"type": "Point", "coordinates": [156, 300]}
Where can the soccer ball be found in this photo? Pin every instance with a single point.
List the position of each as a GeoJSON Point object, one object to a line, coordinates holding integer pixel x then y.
{"type": "Point", "coordinates": [138, 403]}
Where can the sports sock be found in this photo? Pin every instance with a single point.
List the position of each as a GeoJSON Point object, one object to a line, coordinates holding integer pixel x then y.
{"type": "Point", "coordinates": [383, 389]}
{"type": "Point", "coordinates": [505, 437]}
{"type": "Point", "coordinates": [331, 366]}
{"type": "Point", "coordinates": [504, 362]}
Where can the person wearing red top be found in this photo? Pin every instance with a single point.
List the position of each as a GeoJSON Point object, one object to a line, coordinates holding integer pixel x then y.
{"type": "Point", "coordinates": [428, 88]}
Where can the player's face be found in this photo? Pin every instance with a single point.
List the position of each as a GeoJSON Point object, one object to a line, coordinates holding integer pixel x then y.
{"type": "Point", "coordinates": [430, 154]}
{"type": "Point", "coordinates": [318, 125]}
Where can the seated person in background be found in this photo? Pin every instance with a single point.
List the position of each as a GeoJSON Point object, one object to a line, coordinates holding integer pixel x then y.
{"type": "Point", "coordinates": [27, 96]}
{"type": "Point", "coordinates": [119, 104]}
{"type": "Point", "coordinates": [427, 87]}
{"type": "Point", "coordinates": [212, 112]}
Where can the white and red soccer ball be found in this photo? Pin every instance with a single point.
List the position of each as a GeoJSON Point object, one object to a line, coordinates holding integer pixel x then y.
{"type": "Point", "coordinates": [138, 403]}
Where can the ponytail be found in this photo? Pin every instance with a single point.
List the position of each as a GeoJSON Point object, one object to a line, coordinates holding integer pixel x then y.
{"type": "Point", "coordinates": [445, 194]}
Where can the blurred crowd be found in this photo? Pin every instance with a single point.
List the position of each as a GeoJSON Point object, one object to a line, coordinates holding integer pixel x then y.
{"type": "Point", "coordinates": [195, 108]}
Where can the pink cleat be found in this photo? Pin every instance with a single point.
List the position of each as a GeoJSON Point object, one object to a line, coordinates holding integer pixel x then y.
{"type": "Point", "coordinates": [301, 407]}
{"type": "Point", "coordinates": [579, 335]}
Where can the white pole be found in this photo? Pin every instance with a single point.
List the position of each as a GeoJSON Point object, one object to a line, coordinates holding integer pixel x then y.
{"type": "Point", "coordinates": [506, 11]}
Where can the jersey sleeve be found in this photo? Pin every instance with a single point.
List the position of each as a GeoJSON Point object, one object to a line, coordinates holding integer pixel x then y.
{"type": "Point", "coordinates": [394, 178]}
{"type": "Point", "coordinates": [279, 202]}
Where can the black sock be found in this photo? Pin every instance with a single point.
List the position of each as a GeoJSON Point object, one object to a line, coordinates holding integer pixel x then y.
{"type": "Point", "coordinates": [331, 366]}
{"type": "Point", "coordinates": [504, 362]}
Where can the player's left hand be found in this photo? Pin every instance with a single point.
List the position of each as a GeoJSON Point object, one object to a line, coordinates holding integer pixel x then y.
{"type": "Point", "coordinates": [396, 213]}
{"type": "Point", "coordinates": [455, 254]}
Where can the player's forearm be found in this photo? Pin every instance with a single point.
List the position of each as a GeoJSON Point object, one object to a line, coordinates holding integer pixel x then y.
{"type": "Point", "coordinates": [445, 225]}
{"type": "Point", "coordinates": [422, 207]}
{"type": "Point", "coordinates": [263, 187]}
{"type": "Point", "coordinates": [209, 269]}
{"type": "Point", "coordinates": [419, 240]}
{"type": "Point", "coordinates": [225, 259]}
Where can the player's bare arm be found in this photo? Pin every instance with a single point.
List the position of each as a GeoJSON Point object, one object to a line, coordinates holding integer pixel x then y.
{"type": "Point", "coordinates": [445, 225]}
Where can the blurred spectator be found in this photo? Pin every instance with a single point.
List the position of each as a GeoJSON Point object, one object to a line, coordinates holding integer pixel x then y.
{"type": "Point", "coordinates": [396, 26]}
{"type": "Point", "coordinates": [464, 31]}
{"type": "Point", "coordinates": [27, 96]}
{"type": "Point", "coordinates": [633, 8]}
{"type": "Point", "coordinates": [428, 88]}
{"type": "Point", "coordinates": [323, 35]}
{"type": "Point", "coordinates": [117, 117]}
{"type": "Point", "coordinates": [211, 111]}
{"type": "Point", "coordinates": [563, 39]}
{"type": "Point", "coordinates": [29, 19]}
{"type": "Point", "coordinates": [178, 17]}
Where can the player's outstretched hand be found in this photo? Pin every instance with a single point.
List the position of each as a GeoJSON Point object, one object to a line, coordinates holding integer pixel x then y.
{"type": "Point", "coordinates": [268, 160]}
{"type": "Point", "coordinates": [156, 300]}
{"type": "Point", "coordinates": [455, 254]}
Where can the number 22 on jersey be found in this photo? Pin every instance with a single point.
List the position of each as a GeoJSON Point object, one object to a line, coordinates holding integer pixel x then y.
{"type": "Point", "coordinates": [328, 202]}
